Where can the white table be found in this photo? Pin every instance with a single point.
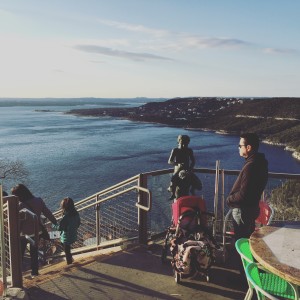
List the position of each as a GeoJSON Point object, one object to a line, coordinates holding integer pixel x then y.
{"type": "Point", "coordinates": [278, 250]}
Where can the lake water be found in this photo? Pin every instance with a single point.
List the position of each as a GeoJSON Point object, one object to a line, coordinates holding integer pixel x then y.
{"type": "Point", "coordinates": [68, 155]}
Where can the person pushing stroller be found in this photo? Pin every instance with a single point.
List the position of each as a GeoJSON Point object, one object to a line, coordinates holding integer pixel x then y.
{"type": "Point", "coordinates": [183, 160]}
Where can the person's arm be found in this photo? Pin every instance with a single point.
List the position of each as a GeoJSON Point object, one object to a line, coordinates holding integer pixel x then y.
{"type": "Point", "coordinates": [48, 214]}
{"type": "Point", "coordinates": [238, 193]}
{"type": "Point", "coordinates": [243, 193]}
{"type": "Point", "coordinates": [172, 157]}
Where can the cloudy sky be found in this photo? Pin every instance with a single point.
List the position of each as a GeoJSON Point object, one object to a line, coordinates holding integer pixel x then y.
{"type": "Point", "coordinates": [149, 48]}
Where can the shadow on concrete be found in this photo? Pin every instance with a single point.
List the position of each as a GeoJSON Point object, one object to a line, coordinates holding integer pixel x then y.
{"type": "Point", "coordinates": [136, 273]}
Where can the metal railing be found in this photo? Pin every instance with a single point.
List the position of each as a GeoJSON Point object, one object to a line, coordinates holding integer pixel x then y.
{"type": "Point", "coordinates": [109, 217]}
{"type": "Point", "coordinates": [138, 209]}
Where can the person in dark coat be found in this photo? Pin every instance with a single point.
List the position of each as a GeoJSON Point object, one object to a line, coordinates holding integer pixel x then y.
{"type": "Point", "coordinates": [247, 190]}
{"type": "Point", "coordinates": [27, 227]}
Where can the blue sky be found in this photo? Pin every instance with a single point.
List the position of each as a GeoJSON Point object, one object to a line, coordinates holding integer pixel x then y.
{"type": "Point", "coordinates": [143, 48]}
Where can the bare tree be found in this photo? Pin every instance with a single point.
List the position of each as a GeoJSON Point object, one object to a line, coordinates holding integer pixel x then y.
{"type": "Point", "coordinates": [12, 171]}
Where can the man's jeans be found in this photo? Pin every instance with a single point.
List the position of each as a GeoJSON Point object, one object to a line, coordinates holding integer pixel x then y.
{"type": "Point", "coordinates": [244, 221]}
{"type": "Point", "coordinates": [34, 255]}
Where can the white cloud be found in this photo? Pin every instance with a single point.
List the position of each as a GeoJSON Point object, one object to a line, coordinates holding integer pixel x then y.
{"type": "Point", "coordinates": [118, 53]}
{"type": "Point", "coordinates": [215, 42]}
{"type": "Point", "coordinates": [183, 42]}
{"type": "Point", "coordinates": [134, 28]}
{"type": "Point", "coordinates": [280, 51]}
{"type": "Point", "coordinates": [162, 39]}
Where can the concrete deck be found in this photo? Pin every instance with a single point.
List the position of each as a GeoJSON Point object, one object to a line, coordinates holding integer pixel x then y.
{"type": "Point", "coordinates": [134, 273]}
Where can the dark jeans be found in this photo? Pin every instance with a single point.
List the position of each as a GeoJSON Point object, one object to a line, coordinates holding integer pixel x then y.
{"type": "Point", "coordinates": [67, 249]}
{"type": "Point", "coordinates": [34, 255]}
{"type": "Point", "coordinates": [243, 225]}
{"type": "Point", "coordinates": [244, 221]}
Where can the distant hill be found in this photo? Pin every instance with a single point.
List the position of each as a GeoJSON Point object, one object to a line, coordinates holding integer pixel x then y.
{"type": "Point", "coordinates": [276, 120]}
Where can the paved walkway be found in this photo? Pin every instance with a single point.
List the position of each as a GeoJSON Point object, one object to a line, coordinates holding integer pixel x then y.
{"type": "Point", "coordinates": [135, 273]}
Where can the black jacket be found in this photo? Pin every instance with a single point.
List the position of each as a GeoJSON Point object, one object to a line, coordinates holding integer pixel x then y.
{"type": "Point", "coordinates": [251, 182]}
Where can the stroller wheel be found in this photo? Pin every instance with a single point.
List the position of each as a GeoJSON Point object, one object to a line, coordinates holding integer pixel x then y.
{"type": "Point", "coordinates": [177, 277]}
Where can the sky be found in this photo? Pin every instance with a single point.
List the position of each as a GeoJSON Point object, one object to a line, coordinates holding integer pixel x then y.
{"type": "Point", "coordinates": [149, 48]}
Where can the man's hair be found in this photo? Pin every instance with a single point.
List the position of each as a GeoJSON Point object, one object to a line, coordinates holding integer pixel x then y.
{"type": "Point", "coordinates": [251, 139]}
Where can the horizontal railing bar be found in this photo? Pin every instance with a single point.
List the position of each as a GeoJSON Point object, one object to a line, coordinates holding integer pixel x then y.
{"type": "Point", "coordinates": [271, 174]}
{"type": "Point", "coordinates": [284, 175]}
{"type": "Point", "coordinates": [120, 193]}
{"type": "Point", "coordinates": [97, 247]}
{"type": "Point", "coordinates": [159, 172]}
{"type": "Point", "coordinates": [227, 172]}
{"type": "Point", "coordinates": [110, 189]}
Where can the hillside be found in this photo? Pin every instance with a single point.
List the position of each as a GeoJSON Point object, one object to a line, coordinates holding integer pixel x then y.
{"type": "Point", "coordinates": [276, 120]}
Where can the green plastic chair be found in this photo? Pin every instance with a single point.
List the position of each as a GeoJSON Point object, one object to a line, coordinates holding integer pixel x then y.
{"type": "Point", "coordinates": [269, 285]}
{"type": "Point", "coordinates": [265, 283]}
{"type": "Point", "coordinates": [243, 248]}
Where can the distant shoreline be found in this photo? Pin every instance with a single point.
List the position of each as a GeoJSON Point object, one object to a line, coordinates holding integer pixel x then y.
{"type": "Point", "coordinates": [295, 154]}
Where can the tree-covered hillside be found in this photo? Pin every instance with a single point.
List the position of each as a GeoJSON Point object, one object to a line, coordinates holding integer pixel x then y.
{"type": "Point", "coordinates": [276, 120]}
{"type": "Point", "coordinates": [286, 201]}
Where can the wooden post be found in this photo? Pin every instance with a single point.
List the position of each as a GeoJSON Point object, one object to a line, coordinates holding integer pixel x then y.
{"type": "Point", "coordinates": [3, 282]}
{"type": "Point", "coordinates": [142, 214]}
{"type": "Point", "coordinates": [14, 241]}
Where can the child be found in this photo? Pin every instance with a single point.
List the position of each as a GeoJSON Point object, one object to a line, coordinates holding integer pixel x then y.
{"type": "Point", "coordinates": [68, 226]}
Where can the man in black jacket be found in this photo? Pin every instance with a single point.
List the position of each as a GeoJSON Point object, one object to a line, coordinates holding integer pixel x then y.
{"type": "Point", "coordinates": [247, 190]}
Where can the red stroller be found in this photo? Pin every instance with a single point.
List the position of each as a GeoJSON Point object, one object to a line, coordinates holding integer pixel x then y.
{"type": "Point", "coordinates": [191, 244]}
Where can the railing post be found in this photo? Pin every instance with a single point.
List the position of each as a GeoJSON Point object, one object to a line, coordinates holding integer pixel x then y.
{"type": "Point", "coordinates": [14, 241]}
{"type": "Point", "coordinates": [142, 215]}
{"type": "Point", "coordinates": [216, 200]}
{"type": "Point", "coordinates": [98, 229]}
{"type": "Point", "coordinates": [222, 215]}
